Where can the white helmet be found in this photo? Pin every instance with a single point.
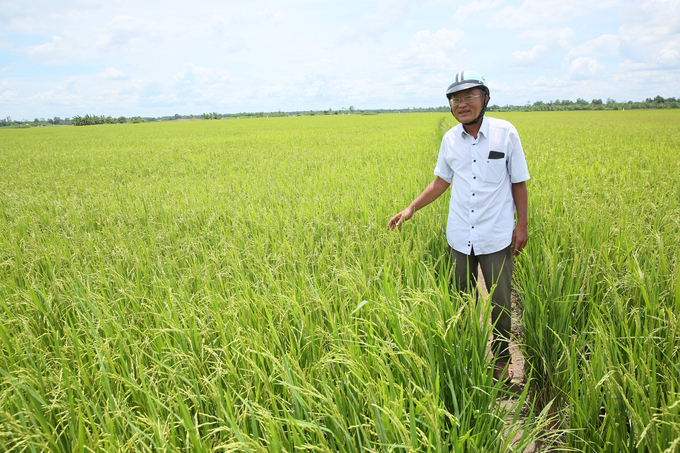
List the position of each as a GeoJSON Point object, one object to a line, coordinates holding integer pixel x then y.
{"type": "Point", "coordinates": [465, 80]}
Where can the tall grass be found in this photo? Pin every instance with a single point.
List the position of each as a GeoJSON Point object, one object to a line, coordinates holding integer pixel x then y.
{"type": "Point", "coordinates": [600, 279]}
{"type": "Point", "coordinates": [230, 286]}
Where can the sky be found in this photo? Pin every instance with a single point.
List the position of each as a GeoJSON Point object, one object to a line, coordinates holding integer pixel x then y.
{"type": "Point", "coordinates": [151, 58]}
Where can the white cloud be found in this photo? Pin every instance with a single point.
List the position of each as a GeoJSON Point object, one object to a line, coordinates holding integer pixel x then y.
{"type": "Point", "coordinates": [271, 15]}
{"type": "Point", "coordinates": [554, 38]}
{"type": "Point", "coordinates": [668, 55]}
{"type": "Point", "coordinates": [218, 23]}
{"type": "Point", "coordinates": [529, 13]}
{"type": "Point", "coordinates": [585, 68]}
{"type": "Point", "coordinates": [29, 25]}
{"type": "Point", "coordinates": [603, 45]}
{"type": "Point", "coordinates": [57, 51]}
{"type": "Point", "coordinates": [43, 18]}
{"type": "Point", "coordinates": [49, 47]}
{"type": "Point", "coordinates": [643, 72]}
{"type": "Point", "coordinates": [468, 10]}
{"type": "Point", "coordinates": [57, 95]}
{"type": "Point", "coordinates": [323, 61]}
{"type": "Point", "coordinates": [360, 89]}
{"type": "Point", "coordinates": [388, 15]}
{"type": "Point", "coordinates": [530, 57]}
{"type": "Point", "coordinates": [201, 76]}
{"type": "Point", "coordinates": [8, 96]}
{"type": "Point", "coordinates": [113, 74]}
{"type": "Point", "coordinates": [431, 51]}
{"type": "Point", "coordinates": [546, 88]}
{"type": "Point", "coordinates": [642, 80]}
{"type": "Point", "coordinates": [197, 83]}
{"type": "Point", "coordinates": [650, 32]}
{"type": "Point", "coordinates": [444, 39]}
{"type": "Point", "coordinates": [551, 41]}
{"type": "Point", "coordinates": [651, 21]}
{"type": "Point", "coordinates": [630, 65]}
{"type": "Point", "coordinates": [541, 12]}
{"type": "Point", "coordinates": [122, 31]}
{"type": "Point", "coordinates": [13, 66]}
{"type": "Point", "coordinates": [164, 99]}
{"type": "Point", "coordinates": [544, 82]}
{"type": "Point", "coordinates": [88, 94]}
{"type": "Point", "coordinates": [189, 57]}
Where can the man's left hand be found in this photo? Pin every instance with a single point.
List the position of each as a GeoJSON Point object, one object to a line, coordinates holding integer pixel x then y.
{"type": "Point", "coordinates": [520, 236]}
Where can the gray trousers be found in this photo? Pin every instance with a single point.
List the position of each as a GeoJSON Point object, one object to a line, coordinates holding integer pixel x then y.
{"type": "Point", "coordinates": [497, 270]}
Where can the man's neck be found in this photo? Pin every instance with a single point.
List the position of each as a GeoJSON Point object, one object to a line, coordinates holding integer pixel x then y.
{"type": "Point", "coordinates": [473, 129]}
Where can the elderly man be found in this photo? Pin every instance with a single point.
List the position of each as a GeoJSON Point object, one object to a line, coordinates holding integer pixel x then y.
{"type": "Point", "coordinates": [482, 160]}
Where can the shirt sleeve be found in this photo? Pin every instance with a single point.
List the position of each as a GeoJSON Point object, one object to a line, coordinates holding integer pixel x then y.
{"type": "Point", "coordinates": [517, 164]}
{"type": "Point", "coordinates": [443, 170]}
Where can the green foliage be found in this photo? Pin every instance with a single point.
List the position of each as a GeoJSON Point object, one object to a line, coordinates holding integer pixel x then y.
{"type": "Point", "coordinates": [230, 286]}
{"type": "Point", "coordinates": [599, 279]}
{"type": "Point", "coordinates": [88, 120]}
{"type": "Point", "coordinates": [211, 116]}
{"type": "Point", "coordinates": [596, 104]}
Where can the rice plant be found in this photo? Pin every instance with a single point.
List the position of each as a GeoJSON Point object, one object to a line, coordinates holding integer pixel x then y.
{"type": "Point", "coordinates": [600, 281]}
{"type": "Point", "coordinates": [230, 286]}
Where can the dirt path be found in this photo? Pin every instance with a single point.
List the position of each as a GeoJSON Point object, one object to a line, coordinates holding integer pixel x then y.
{"type": "Point", "coordinates": [517, 364]}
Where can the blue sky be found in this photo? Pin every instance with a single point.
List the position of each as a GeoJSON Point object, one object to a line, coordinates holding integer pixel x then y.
{"type": "Point", "coordinates": [152, 58]}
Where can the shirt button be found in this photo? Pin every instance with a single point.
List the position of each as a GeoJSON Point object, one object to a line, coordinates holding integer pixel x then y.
{"type": "Point", "coordinates": [473, 195]}
{"type": "Point", "coordinates": [473, 210]}
{"type": "Point", "coordinates": [473, 227]}
{"type": "Point", "coordinates": [474, 160]}
{"type": "Point", "coordinates": [474, 177]}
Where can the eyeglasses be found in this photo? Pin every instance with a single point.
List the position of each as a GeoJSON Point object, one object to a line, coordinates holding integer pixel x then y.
{"type": "Point", "coordinates": [455, 102]}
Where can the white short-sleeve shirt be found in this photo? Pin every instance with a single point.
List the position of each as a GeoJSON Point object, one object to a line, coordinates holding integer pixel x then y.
{"type": "Point", "coordinates": [481, 172]}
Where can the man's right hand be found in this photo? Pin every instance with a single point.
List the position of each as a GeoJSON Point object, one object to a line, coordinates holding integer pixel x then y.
{"type": "Point", "coordinates": [431, 193]}
{"type": "Point", "coordinates": [400, 218]}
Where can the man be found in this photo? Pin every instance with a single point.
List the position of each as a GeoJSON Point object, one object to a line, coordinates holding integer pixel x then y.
{"type": "Point", "coordinates": [482, 160]}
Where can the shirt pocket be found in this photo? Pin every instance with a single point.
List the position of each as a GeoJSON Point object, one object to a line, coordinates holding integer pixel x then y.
{"type": "Point", "coordinates": [495, 170]}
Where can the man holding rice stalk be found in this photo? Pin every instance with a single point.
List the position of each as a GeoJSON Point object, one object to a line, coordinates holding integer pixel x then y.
{"type": "Point", "coordinates": [482, 160]}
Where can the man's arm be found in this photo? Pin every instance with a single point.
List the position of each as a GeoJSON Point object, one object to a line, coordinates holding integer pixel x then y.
{"type": "Point", "coordinates": [431, 193]}
{"type": "Point", "coordinates": [520, 235]}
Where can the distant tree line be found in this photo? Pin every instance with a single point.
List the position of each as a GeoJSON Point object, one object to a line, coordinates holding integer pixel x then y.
{"type": "Point", "coordinates": [595, 104]}
{"type": "Point", "coordinates": [56, 121]}
{"type": "Point", "coordinates": [88, 120]}
{"type": "Point", "coordinates": [76, 121]}
{"type": "Point", "coordinates": [658, 102]}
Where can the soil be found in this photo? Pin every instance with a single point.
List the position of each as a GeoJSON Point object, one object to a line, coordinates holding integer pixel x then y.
{"type": "Point", "coordinates": [516, 386]}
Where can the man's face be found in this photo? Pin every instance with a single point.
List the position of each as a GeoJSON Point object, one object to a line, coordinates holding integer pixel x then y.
{"type": "Point", "coordinates": [464, 112]}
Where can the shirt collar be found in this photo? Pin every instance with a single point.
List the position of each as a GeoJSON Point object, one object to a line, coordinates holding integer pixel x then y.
{"type": "Point", "coordinates": [484, 130]}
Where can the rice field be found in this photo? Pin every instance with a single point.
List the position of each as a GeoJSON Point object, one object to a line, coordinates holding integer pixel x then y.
{"type": "Point", "coordinates": [231, 286]}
